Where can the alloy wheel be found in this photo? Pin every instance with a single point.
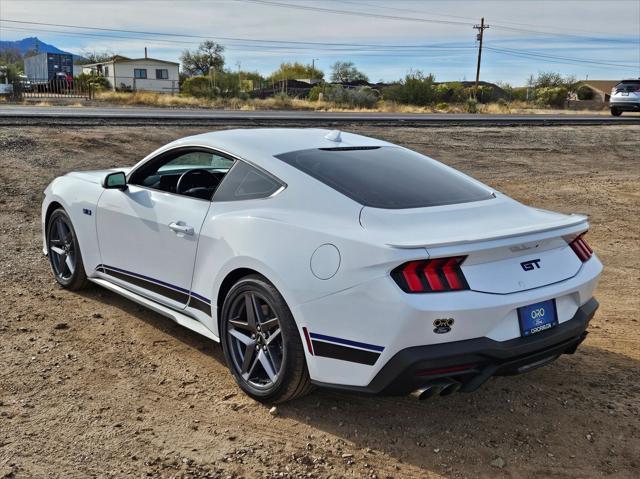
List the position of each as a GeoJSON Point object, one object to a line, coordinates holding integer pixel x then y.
{"type": "Point", "coordinates": [255, 340]}
{"type": "Point", "coordinates": [62, 248]}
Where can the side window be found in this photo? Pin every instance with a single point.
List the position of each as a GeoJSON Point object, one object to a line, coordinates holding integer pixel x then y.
{"type": "Point", "coordinates": [162, 74]}
{"type": "Point", "coordinates": [244, 182]}
{"type": "Point", "coordinates": [140, 72]}
{"type": "Point", "coordinates": [164, 173]}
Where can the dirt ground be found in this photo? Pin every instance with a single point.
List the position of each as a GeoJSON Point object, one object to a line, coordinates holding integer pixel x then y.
{"type": "Point", "coordinates": [92, 385]}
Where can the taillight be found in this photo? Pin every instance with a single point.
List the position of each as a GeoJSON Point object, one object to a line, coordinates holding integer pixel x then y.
{"type": "Point", "coordinates": [432, 275]}
{"type": "Point", "coordinates": [581, 248]}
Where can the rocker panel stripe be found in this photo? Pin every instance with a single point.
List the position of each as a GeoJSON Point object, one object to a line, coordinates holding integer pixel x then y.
{"type": "Point", "coordinates": [162, 288]}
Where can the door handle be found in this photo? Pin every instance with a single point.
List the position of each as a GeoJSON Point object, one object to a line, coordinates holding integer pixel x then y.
{"type": "Point", "coordinates": [180, 227]}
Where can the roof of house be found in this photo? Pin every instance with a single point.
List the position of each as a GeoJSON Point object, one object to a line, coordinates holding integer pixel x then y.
{"type": "Point", "coordinates": [121, 59]}
{"type": "Point", "coordinates": [603, 86]}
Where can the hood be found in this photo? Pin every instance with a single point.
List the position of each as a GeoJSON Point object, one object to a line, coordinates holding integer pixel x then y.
{"type": "Point", "coordinates": [95, 176]}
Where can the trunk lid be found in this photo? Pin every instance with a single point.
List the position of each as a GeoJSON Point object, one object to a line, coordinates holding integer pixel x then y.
{"type": "Point", "coordinates": [509, 247]}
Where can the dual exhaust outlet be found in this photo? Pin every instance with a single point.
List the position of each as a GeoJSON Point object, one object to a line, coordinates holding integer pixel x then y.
{"type": "Point", "coordinates": [443, 387]}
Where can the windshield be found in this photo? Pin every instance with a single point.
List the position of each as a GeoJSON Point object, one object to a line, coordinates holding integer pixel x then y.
{"type": "Point", "coordinates": [386, 177]}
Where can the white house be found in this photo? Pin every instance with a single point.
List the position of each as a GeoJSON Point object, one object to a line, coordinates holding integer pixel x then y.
{"type": "Point", "coordinates": [138, 74]}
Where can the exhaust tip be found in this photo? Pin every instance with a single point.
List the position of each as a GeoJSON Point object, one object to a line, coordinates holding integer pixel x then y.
{"type": "Point", "coordinates": [450, 389]}
{"type": "Point", "coordinates": [442, 388]}
{"type": "Point", "coordinates": [425, 392]}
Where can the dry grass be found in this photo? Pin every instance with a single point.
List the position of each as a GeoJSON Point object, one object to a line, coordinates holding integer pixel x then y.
{"type": "Point", "coordinates": [283, 103]}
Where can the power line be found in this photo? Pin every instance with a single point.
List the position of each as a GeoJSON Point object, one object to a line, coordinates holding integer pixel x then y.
{"type": "Point", "coordinates": [437, 14]}
{"type": "Point", "coordinates": [256, 40]}
{"type": "Point", "coordinates": [359, 14]}
{"type": "Point", "coordinates": [293, 47]}
{"type": "Point", "coordinates": [417, 52]}
{"type": "Point", "coordinates": [560, 60]}
{"type": "Point", "coordinates": [425, 20]}
{"type": "Point", "coordinates": [555, 57]}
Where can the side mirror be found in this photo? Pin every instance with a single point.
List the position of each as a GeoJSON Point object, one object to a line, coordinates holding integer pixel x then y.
{"type": "Point", "coordinates": [115, 181]}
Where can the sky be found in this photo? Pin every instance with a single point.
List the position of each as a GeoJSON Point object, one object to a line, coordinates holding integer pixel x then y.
{"type": "Point", "coordinates": [596, 39]}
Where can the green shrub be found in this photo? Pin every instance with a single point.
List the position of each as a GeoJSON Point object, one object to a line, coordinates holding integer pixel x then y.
{"type": "Point", "coordinates": [92, 80]}
{"type": "Point", "coordinates": [415, 89]}
{"type": "Point", "coordinates": [485, 93]}
{"type": "Point", "coordinates": [443, 105]}
{"type": "Point", "coordinates": [520, 94]}
{"type": "Point", "coordinates": [551, 80]}
{"type": "Point", "coordinates": [282, 100]}
{"type": "Point", "coordinates": [584, 93]}
{"type": "Point", "coordinates": [552, 96]}
{"type": "Point", "coordinates": [314, 93]}
{"type": "Point", "coordinates": [364, 97]}
{"type": "Point", "coordinates": [199, 86]}
{"type": "Point", "coordinates": [472, 105]}
{"type": "Point", "coordinates": [449, 92]}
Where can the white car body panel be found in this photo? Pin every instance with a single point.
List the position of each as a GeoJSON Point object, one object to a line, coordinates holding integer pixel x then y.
{"type": "Point", "coordinates": [134, 236]}
{"type": "Point", "coordinates": [277, 237]}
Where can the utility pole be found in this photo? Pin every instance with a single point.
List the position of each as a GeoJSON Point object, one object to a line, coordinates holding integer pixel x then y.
{"type": "Point", "coordinates": [481, 28]}
{"type": "Point", "coordinates": [313, 69]}
{"type": "Point", "coordinates": [239, 76]}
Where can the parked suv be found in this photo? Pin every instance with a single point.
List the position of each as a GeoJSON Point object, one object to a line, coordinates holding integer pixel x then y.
{"type": "Point", "coordinates": [625, 96]}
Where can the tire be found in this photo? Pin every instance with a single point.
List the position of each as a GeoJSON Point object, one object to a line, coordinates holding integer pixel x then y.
{"type": "Point", "coordinates": [616, 112]}
{"type": "Point", "coordinates": [63, 251]}
{"type": "Point", "coordinates": [251, 350]}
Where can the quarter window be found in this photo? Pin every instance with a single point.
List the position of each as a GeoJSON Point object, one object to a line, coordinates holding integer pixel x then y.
{"type": "Point", "coordinates": [140, 72]}
{"type": "Point", "coordinates": [244, 182]}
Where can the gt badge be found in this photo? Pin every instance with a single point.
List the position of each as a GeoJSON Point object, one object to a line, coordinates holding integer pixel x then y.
{"type": "Point", "coordinates": [442, 325]}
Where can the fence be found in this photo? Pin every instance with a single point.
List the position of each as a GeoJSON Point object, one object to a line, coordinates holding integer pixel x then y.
{"type": "Point", "coordinates": [63, 87]}
{"type": "Point", "coordinates": [85, 87]}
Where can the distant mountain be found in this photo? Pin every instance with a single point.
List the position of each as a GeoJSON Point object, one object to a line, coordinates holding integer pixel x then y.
{"type": "Point", "coordinates": [28, 44]}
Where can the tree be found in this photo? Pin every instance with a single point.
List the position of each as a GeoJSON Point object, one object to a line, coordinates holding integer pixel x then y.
{"type": "Point", "coordinates": [552, 80]}
{"type": "Point", "coordinates": [207, 57]}
{"type": "Point", "coordinates": [94, 56]}
{"type": "Point", "coordinates": [10, 56]}
{"type": "Point", "coordinates": [293, 71]}
{"type": "Point", "coordinates": [11, 64]}
{"type": "Point", "coordinates": [344, 72]}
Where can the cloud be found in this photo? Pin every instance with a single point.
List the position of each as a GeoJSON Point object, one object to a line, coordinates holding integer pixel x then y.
{"type": "Point", "coordinates": [587, 20]}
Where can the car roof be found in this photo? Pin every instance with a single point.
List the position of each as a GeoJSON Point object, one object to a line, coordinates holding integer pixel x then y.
{"type": "Point", "coordinates": [256, 143]}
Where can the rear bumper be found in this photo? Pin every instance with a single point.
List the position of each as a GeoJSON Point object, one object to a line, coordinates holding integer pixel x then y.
{"type": "Point", "coordinates": [472, 362]}
{"type": "Point", "coordinates": [625, 105]}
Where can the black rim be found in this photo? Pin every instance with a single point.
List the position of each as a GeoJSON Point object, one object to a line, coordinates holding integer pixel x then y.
{"type": "Point", "coordinates": [62, 248]}
{"type": "Point", "coordinates": [255, 340]}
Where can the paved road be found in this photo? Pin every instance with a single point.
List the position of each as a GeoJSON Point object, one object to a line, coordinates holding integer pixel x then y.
{"type": "Point", "coordinates": [10, 114]}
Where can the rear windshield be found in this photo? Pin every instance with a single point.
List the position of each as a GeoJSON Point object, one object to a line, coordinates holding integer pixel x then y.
{"type": "Point", "coordinates": [628, 86]}
{"type": "Point", "coordinates": [386, 177]}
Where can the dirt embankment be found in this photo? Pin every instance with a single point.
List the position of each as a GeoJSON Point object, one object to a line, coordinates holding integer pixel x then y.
{"type": "Point", "coordinates": [91, 385]}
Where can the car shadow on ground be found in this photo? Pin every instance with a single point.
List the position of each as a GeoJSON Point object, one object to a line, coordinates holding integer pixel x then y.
{"type": "Point", "coordinates": [543, 409]}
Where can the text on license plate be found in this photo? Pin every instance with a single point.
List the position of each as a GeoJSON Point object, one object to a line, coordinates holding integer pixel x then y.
{"type": "Point", "coordinates": [537, 317]}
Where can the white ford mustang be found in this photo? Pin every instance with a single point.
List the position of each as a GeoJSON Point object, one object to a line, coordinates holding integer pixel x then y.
{"type": "Point", "coordinates": [324, 258]}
